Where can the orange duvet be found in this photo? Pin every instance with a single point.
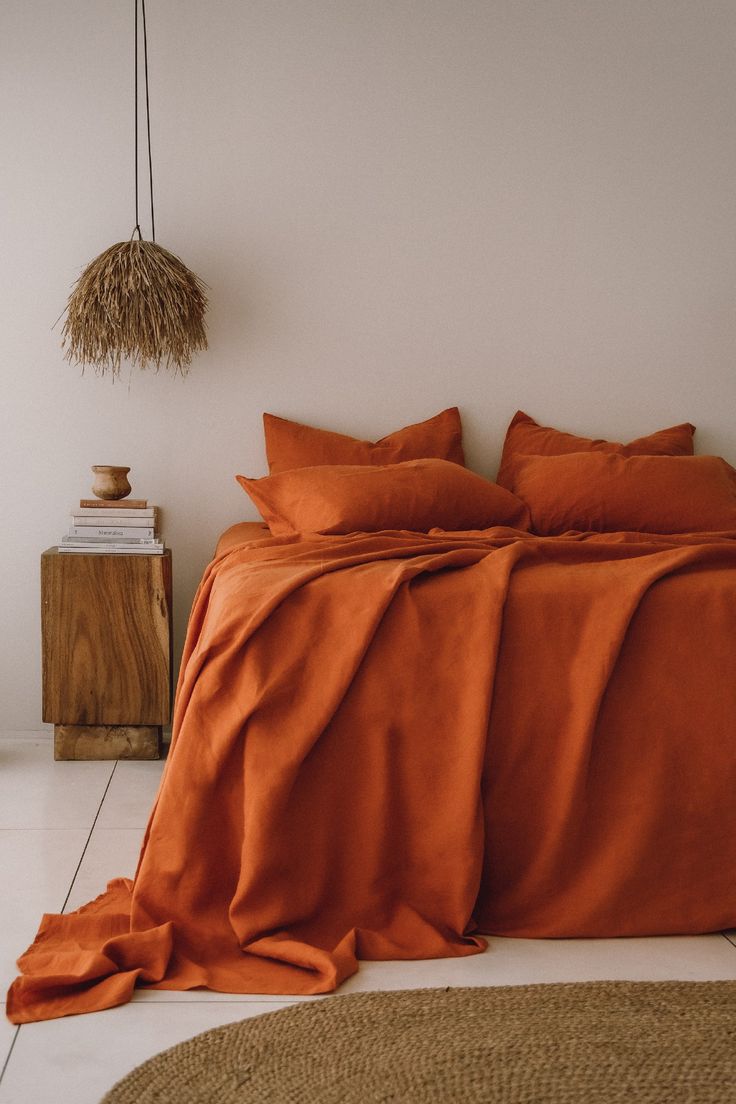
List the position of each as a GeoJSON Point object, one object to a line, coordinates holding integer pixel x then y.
{"type": "Point", "coordinates": [385, 744]}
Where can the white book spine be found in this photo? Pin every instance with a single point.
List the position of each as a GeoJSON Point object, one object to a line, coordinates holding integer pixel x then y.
{"type": "Point", "coordinates": [110, 540]}
{"type": "Point", "coordinates": [90, 532]}
{"type": "Point", "coordinates": [113, 549]}
{"type": "Point", "coordinates": [91, 511]}
{"type": "Point", "coordinates": [107, 521]}
{"type": "Point", "coordinates": [74, 542]}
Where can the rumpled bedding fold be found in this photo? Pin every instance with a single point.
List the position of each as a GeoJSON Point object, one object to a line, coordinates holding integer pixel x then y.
{"type": "Point", "coordinates": [385, 743]}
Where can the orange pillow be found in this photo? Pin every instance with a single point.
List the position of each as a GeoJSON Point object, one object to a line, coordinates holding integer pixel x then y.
{"type": "Point", "coordinates": [417, 495]}
{"type": "Point", "coordinates": [603, 492]}
{"type": "Point", "coordinates": [526, 437]}
{"type": "Point", "coordinates": [291, 445]}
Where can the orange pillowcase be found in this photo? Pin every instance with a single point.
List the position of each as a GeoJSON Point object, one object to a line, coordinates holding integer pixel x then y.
{"type": "Point", "coordinates": [292, 445]}
{"type": "Point", "coordinates": [525, 437]}
{"type": "Point", "coordinates": [416, 495]}
{"type": "Point", "coordinates": [603, 492]}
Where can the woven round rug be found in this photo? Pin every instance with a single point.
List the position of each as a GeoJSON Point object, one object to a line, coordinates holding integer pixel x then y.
{"type": "Point", "coordinates": [582, 1043]}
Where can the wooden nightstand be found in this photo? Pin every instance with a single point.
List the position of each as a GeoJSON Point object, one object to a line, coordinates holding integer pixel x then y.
{"type": "Point", "coordinates": [107, 659]}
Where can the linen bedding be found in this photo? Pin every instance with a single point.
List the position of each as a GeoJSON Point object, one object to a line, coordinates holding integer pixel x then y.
{"type": "Point", "coordinates": [386, 744]}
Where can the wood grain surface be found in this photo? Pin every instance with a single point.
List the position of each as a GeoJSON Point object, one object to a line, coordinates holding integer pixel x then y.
{"type": "Point", "coordinates": [106, 630]}
{"type": "Point", "coordinates": [107, 742]}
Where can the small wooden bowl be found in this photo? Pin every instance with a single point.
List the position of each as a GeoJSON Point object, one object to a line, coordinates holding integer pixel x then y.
{"type": "Point", "coordinates": [110, 482]}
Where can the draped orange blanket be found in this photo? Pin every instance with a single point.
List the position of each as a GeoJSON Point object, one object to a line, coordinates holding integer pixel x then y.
{"type": "Point", "coordinates": [386, 743]}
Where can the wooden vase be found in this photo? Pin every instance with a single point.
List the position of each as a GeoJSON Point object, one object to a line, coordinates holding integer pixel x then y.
{"type": "Point", "coordinates": [110, 482]}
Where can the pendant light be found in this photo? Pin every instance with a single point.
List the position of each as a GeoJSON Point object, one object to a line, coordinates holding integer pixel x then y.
{"type": "Point", "coordinates": [136, 302]}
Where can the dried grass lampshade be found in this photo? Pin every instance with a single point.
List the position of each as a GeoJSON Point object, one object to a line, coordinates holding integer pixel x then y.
{"type": "Point", "coordinates": [135, 302]}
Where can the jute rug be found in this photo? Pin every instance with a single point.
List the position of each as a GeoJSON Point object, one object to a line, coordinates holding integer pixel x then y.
{"type": "Point", "coordinates": [590, 1043]}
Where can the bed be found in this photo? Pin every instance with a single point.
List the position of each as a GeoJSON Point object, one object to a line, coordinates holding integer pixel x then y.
{"type": "Point", "coordinates": [390, 741]}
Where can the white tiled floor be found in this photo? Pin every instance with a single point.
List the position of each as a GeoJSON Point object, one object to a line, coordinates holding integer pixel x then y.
{"type": "Point", "coordinates": [67, 828]}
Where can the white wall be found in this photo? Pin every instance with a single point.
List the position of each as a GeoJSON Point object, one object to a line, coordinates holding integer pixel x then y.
{"type": "Point", "coordinates": [398, 205]}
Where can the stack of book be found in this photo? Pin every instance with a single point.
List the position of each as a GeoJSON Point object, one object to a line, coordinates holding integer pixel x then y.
{"type": "Point", "coordinates": [120, 527]}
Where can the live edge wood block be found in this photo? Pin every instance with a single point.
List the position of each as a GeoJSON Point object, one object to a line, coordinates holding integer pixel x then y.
{"type": "Point", "coordinates": [107, 653]}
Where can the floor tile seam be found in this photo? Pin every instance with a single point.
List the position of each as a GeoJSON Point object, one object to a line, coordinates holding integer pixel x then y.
{"type": "Point", "coordinates": [89, 837]}
{"type": "Point", "coordinates": [228, 1000]}
{"type": "Point", "coordinates": [199, 1003]}
{"type": "Point", "coordinates": [11, 736]}
{"type": "Point", "coordinates": [729, 938]}
{"type": "Point", "coordinates": [10, 1051]}
{"type": "Point", "coordinates": [52, 828]}
{"type": "Point", "coordinates": [67, 827]}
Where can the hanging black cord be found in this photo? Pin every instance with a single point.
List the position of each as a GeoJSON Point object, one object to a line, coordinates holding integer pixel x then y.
{"type": "Point", "coordinates": [135, 118]}
{"type": "Point", "coordinates": [148, 118]}
{"type": "Point", "coordinates": [148, 123]}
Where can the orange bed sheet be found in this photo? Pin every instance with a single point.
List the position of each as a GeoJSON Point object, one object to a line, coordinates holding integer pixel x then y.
{"type": "Point", "coordinates": [385, 744]}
